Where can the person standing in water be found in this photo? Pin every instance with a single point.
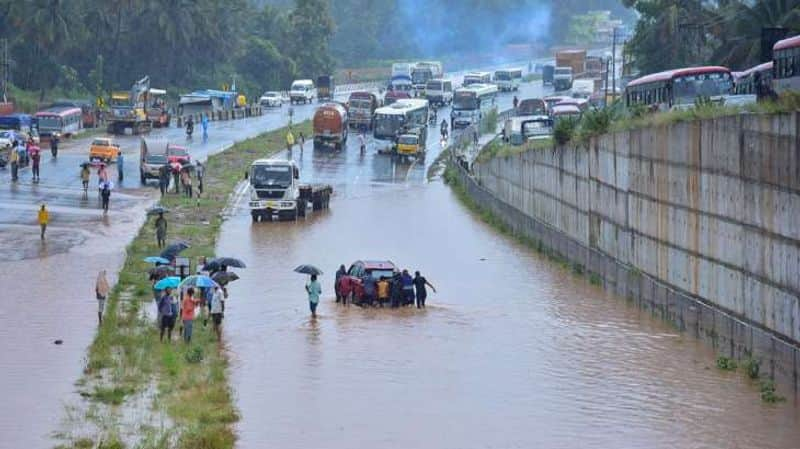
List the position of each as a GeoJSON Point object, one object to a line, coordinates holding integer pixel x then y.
{"type": "Point", "coordinates": [314, 289]}
{"type": "Point", "coordinates": [419, 283]}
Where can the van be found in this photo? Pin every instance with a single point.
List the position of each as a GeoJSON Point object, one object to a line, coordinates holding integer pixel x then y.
{"type": "Point", "coordinates": [302, 91]}
{"type": "Point", "coordinates": [439, 91]}
{"type": "Point", "coordinates": [153, 155]}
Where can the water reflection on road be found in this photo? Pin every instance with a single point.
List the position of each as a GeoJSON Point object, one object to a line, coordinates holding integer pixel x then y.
{"type": "Point", "coordinates": [512, 351]}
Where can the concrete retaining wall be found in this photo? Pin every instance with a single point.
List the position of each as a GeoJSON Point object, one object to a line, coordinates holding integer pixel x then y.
{"type": "Point", "coordinates": [699, 222]}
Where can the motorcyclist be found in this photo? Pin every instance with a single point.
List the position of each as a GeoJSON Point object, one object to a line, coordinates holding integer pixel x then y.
{"type": "Point", "coordinates": [189, 126]}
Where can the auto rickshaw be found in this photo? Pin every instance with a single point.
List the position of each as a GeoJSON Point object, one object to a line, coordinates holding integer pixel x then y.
{"type": "Point", "coordinates": [411, 144]}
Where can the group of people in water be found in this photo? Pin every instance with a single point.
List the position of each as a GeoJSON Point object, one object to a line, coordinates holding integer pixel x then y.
{"type": "Point", "coordinates": [400, 289]}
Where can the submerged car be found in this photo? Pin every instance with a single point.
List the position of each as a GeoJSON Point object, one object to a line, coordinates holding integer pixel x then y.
{"type": "Point", "coordinates": [351, 285]}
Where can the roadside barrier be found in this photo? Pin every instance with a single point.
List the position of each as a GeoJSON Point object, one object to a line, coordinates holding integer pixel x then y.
{"type": "Point", "coordinates": [253, 110]}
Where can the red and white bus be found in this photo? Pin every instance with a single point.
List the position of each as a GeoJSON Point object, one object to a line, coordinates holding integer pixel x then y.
{"type": "Point", "coordinates": [755, 81]}
{"type": "Point", "coordinates": [65, 121]}
{"type": "Point", "coordinates": [786, 65]}
{"type": "Point", "coordinates": [680, 88]}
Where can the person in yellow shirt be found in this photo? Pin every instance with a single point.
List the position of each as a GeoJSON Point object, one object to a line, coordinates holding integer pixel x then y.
{"type": "Point", "coordinates": [44, 218]}
{"type": "Point", "coordinates": [289, 141]}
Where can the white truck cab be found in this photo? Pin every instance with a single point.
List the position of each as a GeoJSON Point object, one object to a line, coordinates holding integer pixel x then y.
{"type": "Point", "coordinates": [276, 191]}
{"type": "Point", "coordinates": [302, 91]}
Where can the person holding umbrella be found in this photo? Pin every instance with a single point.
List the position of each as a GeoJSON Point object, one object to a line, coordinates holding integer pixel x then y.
{"type": "Point", "coordinates": [165, 311]}
{"type": "Point", "coordinates": [314, 289]}
{"type": "Point", "coordinates": [161, 230]}
{"type": "Point", "coordinates": [187, 313]}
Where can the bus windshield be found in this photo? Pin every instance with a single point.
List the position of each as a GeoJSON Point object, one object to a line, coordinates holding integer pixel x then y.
{"type": "Point", "coordinates": [687, 88]}
{"type": "Point", "coordinates": [49, 122]}
{"type": "Point", "coordinates": [465, 100]}
{"type": "Point", "coordinates": [388, 125]}
{"type": "Point", "coordinates": [502, 76]}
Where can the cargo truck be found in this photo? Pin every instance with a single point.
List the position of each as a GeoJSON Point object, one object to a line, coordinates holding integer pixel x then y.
{"type": "Point", "coordinates": [276, 191]}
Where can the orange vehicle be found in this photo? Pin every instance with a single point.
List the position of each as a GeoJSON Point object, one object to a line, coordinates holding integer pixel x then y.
{"type": "Point", "coordinates": [330, 126]}
{"type": "Point", "coordinates": [103, 149]}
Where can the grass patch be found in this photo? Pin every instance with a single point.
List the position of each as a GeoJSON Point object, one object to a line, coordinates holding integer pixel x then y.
{"type": "Point", "coordinates": [768, 393]}
{"type": "Point", "coordinates": [595, 279]}
{"type": "Point", "coordinates": [752, 368]}
{"type": "Point", "coordinates": [488, 124]}
{"type": "Point", "coordinates": [191, 382]}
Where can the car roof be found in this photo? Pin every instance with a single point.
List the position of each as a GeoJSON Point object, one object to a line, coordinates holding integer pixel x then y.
{"type": "Point", "coordinates": [378, 264]}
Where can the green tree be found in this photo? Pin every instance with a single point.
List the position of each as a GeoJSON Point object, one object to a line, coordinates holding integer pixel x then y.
{"type": "Point", "coordinates": [310, 29]}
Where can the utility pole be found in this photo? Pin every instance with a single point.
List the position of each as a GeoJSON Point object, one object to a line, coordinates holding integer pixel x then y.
{"type": "Point", "coordinates": [4, 66]}
{"type": "Point", "coordinates": [614, 62]}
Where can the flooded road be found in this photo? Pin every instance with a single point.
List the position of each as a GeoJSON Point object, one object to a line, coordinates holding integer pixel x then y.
{"type": "Point", "coordinates": [512, 351]}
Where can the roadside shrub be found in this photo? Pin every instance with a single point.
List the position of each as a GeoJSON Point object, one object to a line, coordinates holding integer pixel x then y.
{"type": "Point", "coordinates": [194, 355]}
{"type": "Point", "coordinates": [489, 122]}
{"type": "Point", "coordinates": [768, 393]}
{"type": "Point", "coordinates": [564, 130]}
{"type": "Point", "coordinates": [596, 121]}
{"type": "Point", "coordinates": [726, 363]}
{"type": "Point", "coordinates": [752, 368]}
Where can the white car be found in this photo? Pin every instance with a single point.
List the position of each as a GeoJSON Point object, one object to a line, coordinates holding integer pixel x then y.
{"type": "Point", "coordinates": [271, 100]}
{"type": "Point", "coordinates": [6, 139]}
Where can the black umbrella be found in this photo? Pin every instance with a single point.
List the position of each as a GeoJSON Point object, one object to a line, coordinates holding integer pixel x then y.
{"type": "Point", "coordinates": [219, 262]}
{"type": "Point", "coordinates": [157, 210]}
{"type": "Point", "coordinates": [224, 277]}
{"type": "Point", "coordinates": [85, 164]}
{"type": "Point", "coordinates": [171, 251]}
{"type": "Point", "coordinates": [308, 269]}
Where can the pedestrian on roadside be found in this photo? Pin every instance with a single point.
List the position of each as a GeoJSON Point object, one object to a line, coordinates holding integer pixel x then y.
{"type": "Point", "coordinates": [475, 137]}
{"type": "Point", "coordinates": [419, 283]}
{"type": "Point", "coordinates": [101, 290]}
{"type": "Point", "coordinates": [289, 140]}
{"type": "Point", "coordinates": [339, 273]}
{"type": "Point", "coordinates": [383, 291]}
{"type": "Point", "coordinates": [176, 176]}
{"type": "Point", "coordinates": [161, 230]}
{"type": "Point", "coordinates": [362, 143]}
{"type": "Point", "coordinates": [163, 179]}
{"type": "Point", "coordinates": [515, 102]}
{"type": "Point", "coordinates": [186, 181]}
{"type": "Point", "coordinates": [314, 289]}
{"type": "Point", "coordinates": [86, 174]}
{"type": "Point", "coordinates": [54, 144]}
{"type": "Point", "coordinates": [105, 195]}
{"type": "Point", "coordinates": [204, 123]}
{"type": "Point", "coordinates": [302, 140]}
{"type": "Point", "coordinates": [35, 158]}
{"type": "Point", "coordinates": [187, 313]}
{"type": "Point", "coordinates": [120, 166]}
{"type": "Point", "coordinates": [201, 171]}
{"type": "Point", "coordinates": [43, 218]}
{"type": "Point", "coordinates": [408, 288]}
{"type": "Point", "coordinates": [165, 311]}
{"type": "Point", "coordinates": [13, 159]}
{"type": "Point", "coordinates": [102, 174]}
{"type": "Point", "coordinates": [217, 309]}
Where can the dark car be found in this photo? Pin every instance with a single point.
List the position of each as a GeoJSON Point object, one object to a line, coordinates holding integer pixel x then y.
{"type": "Point", "coordinates": [351, 285]}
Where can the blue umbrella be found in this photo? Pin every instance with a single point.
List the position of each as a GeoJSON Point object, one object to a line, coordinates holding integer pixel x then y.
{"type": "Point", "coordinates": [168, 282]}
{"type": "Point", "coordinates": [156, 259]}
{"type": "Point", "coordinates": [198, 280]}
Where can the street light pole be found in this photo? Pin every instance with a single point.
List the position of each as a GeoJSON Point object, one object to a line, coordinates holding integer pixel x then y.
{"type": "Point", "coordinates": [614, 62]}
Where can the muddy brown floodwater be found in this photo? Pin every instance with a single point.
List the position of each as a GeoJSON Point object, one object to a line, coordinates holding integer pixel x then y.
{"type": "Point", "coordinates": [512, 351]}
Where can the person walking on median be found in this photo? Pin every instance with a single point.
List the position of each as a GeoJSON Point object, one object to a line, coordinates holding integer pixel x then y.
{"type": "Point", "coordinates": [43, 218]}
{"type": "Point", "coordinates": [187, 313]}
{"type": "Point", "coordinates": [217, 309]}
{"type": "Point", "coordinates": [419, 283]}
{"type": "Point", "coordinates": [186, 181]}
{"type": "Point", "coordinates": [314, 289]}
{"type": "Point", "coordinates": [161, 230]}
{"type": "Point", "coordinates": [163, 179]}
{"type": "Point", "coordinates": [200, 172]}
{"type": "Point", "coordinates": [289, 140]}
{"type": "Point", "coordinates": [165, 311]}
{"type": "Point", "coordinates": [101, 290]}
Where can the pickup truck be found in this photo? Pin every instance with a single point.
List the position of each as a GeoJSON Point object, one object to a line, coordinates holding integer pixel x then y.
{"type": "Point", "coordinates": [153, 156]}
{"type": "Point", "coordinates": [275, 191]}
{"type": "Point", "coordinates": [103, 149]}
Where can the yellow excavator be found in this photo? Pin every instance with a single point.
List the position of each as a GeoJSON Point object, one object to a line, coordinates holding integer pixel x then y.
{"type": "Point", "coordinates": [129, 109]}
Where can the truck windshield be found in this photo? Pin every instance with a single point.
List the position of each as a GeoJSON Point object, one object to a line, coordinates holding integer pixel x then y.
{"type": "Point", "coordinates": [563, 72]}
{"type": "Point", "coordinates": [502, 76]}
{"type": "Point", "coordinates": [360, 104]}
{"type": "Point", "coordinates": [270, 176]}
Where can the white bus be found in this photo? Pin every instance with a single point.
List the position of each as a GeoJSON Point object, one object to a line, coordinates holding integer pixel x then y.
{"type": "Point", "coordinates": [477, 78]}
{"type": "Point", "coordinates": [404, 113]}
{"type": "Point", "coordinates": [439, 91]}
{"type": "Point", "coordinates": [470, 103]}
{"type": "Point", "coordinates": [508, 79]}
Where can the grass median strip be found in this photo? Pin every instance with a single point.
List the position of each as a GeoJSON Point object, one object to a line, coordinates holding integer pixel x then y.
{"type": "Point", "coordinates": [180, 391]}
